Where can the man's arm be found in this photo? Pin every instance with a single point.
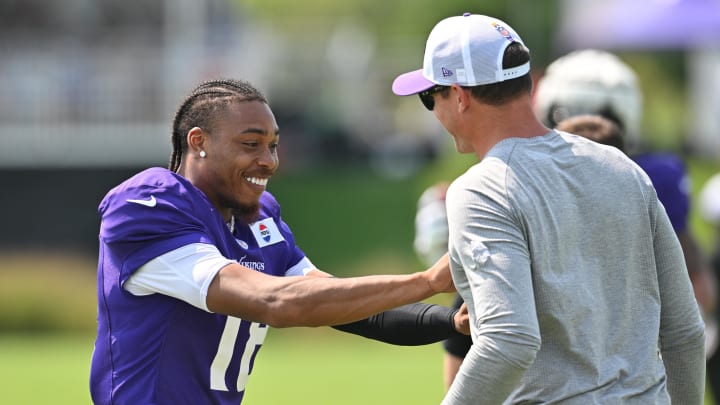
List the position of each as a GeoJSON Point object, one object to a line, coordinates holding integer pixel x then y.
{"type": "Point", "coordinates": [681, 328]}
{"type": "Point", "coordinates": [409, 325]}
{"type": "Point", "coordinates": [313, 301]}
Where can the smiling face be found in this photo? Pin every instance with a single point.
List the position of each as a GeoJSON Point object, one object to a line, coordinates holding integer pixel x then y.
{"type": "Point", "coordinates": [240, 157]}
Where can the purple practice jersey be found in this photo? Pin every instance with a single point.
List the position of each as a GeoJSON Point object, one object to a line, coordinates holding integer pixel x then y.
{"type": "Point", "coordinates": [155, 349]}
{"type": "Point", "coordinates": [669, 177]}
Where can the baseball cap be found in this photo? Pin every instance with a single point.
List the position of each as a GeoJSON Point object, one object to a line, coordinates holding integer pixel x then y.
{"type": "Point", "coordinates": [466, 50]}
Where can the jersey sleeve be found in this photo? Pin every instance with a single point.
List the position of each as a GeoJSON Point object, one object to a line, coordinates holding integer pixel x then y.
{"type": "Point", "coordinates": [147, 216]}
{"type": "Point", "coordinates": [184, 273]}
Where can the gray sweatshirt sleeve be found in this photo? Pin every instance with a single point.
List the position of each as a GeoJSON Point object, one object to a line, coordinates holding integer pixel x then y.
{"type": "Point", "coordinates": [492, 262]}
{"type": "Point", "coordinates": [682, 338]}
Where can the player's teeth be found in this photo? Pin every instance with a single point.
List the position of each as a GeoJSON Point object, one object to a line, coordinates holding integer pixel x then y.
{"type": "Point", "coordinates": [258, 181]}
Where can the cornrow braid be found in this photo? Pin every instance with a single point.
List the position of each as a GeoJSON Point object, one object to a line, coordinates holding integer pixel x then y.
{"type": "Point", "coordinates": [201, 107]}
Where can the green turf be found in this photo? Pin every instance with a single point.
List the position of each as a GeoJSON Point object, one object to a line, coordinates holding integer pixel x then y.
{"type": "Point", "coordinates": [297, 366]}
{"type": "Point", "coordinates": [328, 367]}
{"type": "Point", "coordinates": [45, 369]}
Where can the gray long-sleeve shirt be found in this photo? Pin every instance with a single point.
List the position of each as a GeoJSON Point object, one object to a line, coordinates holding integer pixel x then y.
{"type": "Point", "coordinates": [574, 279]}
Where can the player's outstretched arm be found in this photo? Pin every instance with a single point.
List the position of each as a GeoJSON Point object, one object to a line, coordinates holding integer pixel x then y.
{"type": "Point", "coordinates": [318, 301]}
{"type": "Point", "coordinates": [411, 325]}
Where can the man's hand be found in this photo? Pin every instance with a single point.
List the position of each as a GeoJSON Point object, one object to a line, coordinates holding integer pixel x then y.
{"type": "Point", "coordinates": [462, 320]}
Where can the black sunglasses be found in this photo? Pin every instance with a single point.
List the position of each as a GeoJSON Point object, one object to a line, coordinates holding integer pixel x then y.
{"type": "Point", "coordinates": [427, 96]}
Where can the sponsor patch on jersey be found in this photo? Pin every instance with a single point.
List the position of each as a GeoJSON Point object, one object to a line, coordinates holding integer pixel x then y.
{"type": "Point", "coordinates": [266, 232]}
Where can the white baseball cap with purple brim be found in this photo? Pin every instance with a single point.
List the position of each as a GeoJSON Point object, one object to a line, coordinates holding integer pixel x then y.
{"type": "Point", "coordinates": [465, 50]}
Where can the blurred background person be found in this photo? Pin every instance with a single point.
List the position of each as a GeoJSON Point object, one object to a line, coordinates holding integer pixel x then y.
{"type": "Point", "coordinates": [594, 127]}
{"type": "Point", "coordinates": [431, 227]}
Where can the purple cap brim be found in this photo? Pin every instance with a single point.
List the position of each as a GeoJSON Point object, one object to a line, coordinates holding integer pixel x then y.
{"type": "Point", "coordinates": [411, 83]}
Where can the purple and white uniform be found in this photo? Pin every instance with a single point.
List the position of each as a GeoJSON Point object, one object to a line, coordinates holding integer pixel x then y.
{"type": "Point", "coordinates": [157, 349]}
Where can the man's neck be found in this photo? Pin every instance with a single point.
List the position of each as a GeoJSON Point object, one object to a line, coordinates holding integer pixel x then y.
{"type": "Point", "coordinates": [514, 119]}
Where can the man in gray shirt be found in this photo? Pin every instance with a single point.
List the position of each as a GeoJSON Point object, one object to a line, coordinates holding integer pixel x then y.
{"type": "Point", "coordinates": [573, 276]}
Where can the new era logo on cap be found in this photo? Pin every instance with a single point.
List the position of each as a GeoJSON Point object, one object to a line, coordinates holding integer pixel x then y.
{"type": "Point", "coordinates": [446, 72]}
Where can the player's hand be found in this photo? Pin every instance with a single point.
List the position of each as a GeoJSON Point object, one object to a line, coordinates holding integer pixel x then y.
{"type": "Point", "coordinates": [462, 320]}
{"type": "Point", "coordinates": [439, 276]}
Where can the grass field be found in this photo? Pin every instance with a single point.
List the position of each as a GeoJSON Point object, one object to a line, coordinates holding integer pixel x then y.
{"type": "Point", "coordinates": [298, 366]}
{"type": "Point", "coordinates": [323, 366]}
{"type": "Point", "coordinates": [45, 369]}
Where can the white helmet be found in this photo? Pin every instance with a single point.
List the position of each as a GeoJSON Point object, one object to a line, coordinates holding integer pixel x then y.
{"type": "Point", "coordinates": [590, 82]}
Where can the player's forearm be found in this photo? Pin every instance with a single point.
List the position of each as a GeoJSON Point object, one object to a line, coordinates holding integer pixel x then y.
{"type": "Point", "coordinates": [409, 325]}
{"type": "Point", "coordinates": [312, 301]}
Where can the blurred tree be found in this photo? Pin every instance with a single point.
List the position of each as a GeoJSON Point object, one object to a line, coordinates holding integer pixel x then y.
{"type": "Point", "coordinates": [409, 19]}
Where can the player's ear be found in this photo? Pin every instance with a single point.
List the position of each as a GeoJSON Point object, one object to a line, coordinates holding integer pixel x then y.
{"type": "Point", "coordinates": [196, 140]}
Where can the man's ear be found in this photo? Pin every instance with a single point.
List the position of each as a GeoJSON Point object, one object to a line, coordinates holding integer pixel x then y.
{"type": "Point", "coordinates": [462, 96]}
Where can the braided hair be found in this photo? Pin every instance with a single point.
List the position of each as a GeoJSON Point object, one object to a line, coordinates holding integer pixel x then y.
{"type": "Point", "coordinates": [201, 107]}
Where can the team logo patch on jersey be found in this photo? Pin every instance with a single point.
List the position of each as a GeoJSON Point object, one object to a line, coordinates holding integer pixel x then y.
{"type": "Point", "coordinates": [266, 232]}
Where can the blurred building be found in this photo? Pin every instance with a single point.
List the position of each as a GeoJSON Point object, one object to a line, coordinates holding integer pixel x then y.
{"type": "Point", "coordinates": [95, 83]}
{"type": "Point", "coordinates": [88, 89]}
